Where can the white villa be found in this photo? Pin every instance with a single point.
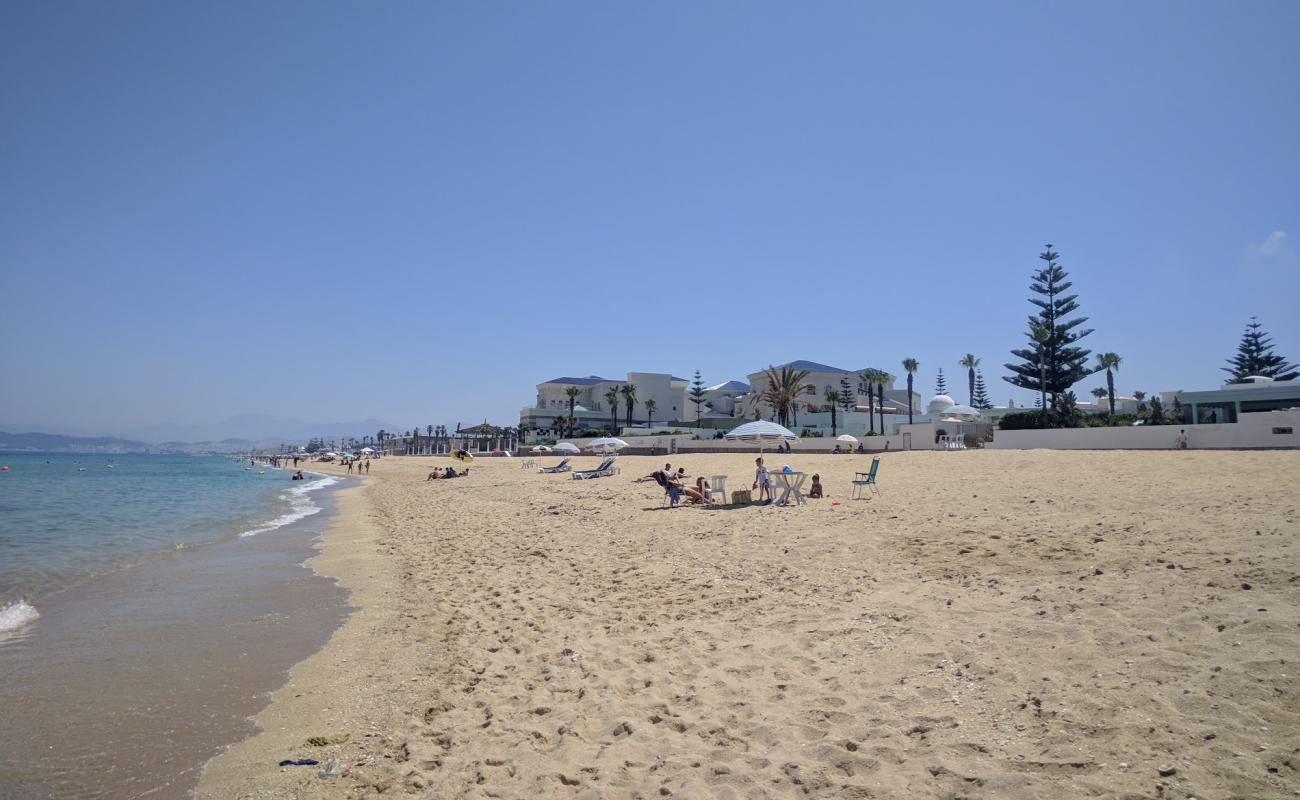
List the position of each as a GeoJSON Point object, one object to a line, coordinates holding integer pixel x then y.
{"type": "Point", "coordinates": [592, 411]}
{"type": "Point", "coordinates": [723, 405]}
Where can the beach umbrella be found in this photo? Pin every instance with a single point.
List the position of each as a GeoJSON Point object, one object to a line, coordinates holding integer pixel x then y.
{"type": "Point", "coordinates": [844, 437]}
{"type": "Point", "coordinates": [367, 450]}
{"type": "Point", "coordinates": [606, 444]}
{"type": "Point", "coordinates": [566, 447]}
{"type": "Point", "coordinates": [762, 432]}
{"type": "Point", "coordinates": [541, 448]}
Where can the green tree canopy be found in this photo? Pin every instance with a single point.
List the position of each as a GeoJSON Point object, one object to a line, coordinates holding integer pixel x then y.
{"type": "Point", "coordinates": [1255, 356]}
{"type": "Point", "coordinates": [1059, 360]}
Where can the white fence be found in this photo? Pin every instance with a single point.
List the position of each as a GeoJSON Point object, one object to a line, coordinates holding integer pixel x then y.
{"type": "Point", "coordinates": [1264, 429]}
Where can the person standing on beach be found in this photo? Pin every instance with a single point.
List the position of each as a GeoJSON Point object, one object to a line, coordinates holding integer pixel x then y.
{"type": "Point", "coordinates": [762, 480]}
{"type": "Point", "coordinates": [367, 466]}
{"type": "Point", "coordinates": [349, 467]}
{"type": "Point", "coordinates": [1180, 443]}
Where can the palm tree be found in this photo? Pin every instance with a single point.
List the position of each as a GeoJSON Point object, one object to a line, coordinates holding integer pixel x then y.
{"type": "Point", "coordinates": [911, 365]}
{"type": "Point", "coordinates": [783, 388]}
{"type": "Point", "coordinates": [572, 393]}
{"type": "Point", "coordinates": [650, 406]}
{"type": "Point", "coordinates": [1041, 335]}
{"type": "Point", "coordinates": [833, 398]}
{"type": "Point", "coordinates": [881, 377]}
{"type": "Point", "coordinates": [629, 400]}
{"type": "Point", "coordinates": [868, 377]}
{"type": "Point", "coordinates": [611, 397]}
{"type": "Point", "coordinates": [1139, 396]}
{"type": "Point", "coordinates": [1100, 392]}
{"type": "Point", "coordinates": [1110, 363]}
{"type": "Point", "coordinates": [970, 362]}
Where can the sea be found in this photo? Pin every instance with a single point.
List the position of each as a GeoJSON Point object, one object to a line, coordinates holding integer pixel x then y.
{"type": "Point", "coordinates": [148, 606]}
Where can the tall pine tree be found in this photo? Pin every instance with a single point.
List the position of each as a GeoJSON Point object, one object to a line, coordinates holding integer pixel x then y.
{"type": "Point", "coordinates": [981, 394]}
{"type": "Point", "coordinates": [940, 385]}
{"type": "Point", "coordinates": [1055, 364]}
{"type": "Point", "coordinates": [1255, 356]}
{"type": "Point", "coordinates": [848, 395]}
{"type": "Point", "coordinates": [697, 393]}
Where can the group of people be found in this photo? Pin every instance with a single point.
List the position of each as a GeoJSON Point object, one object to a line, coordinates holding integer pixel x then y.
{"type": "Point", "coordinates": [445, 474]}
{"type": "Point", "coordinates": [860, 449]}
{"type": "Point", "coordinates": [362, 466]}
{"type": "Point", "coordinates": [675, 485]}
{"type": "Point", "coordinates": [763, 483]}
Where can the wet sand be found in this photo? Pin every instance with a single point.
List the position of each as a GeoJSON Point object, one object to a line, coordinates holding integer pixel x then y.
{"type": "Point", "coordinates": [994, 624]}
{"type": "Point", "coordinates": [130, 681]}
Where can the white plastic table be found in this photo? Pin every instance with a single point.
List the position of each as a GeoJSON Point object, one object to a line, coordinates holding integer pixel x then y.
{"type": "Point", "coordinates": [789, 483]}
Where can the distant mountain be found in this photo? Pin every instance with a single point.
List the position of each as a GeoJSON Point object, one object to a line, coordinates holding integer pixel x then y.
{"type": "Point", "coordinates": [52, 442]}
{"type": "Point", "coordinates": [256, 429]}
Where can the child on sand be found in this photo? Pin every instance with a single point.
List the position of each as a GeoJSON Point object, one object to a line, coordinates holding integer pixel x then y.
{"type": "Point", "coordinates": [762, 481]}
{"type": "Point", "coordinates": [816, 489]}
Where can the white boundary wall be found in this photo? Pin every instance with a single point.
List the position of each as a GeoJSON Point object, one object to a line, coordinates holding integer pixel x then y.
{"type": "Point", "coordinates": [1255, 430]}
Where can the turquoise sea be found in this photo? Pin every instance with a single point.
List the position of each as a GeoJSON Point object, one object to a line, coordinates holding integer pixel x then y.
{"type": "Point", "coordinates": [148, 605]}
{"type": "Point", "coordinates": [65, 517]}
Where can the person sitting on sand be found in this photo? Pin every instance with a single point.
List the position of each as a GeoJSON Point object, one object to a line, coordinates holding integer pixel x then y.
{"type": "Point", "coordinates": [837, 450]}
{"type": "Point", "coordinates": [681, 473]}
{"type": "Point", "coordinates": [816, 489]}
{"type": "Point", "coordinates": [762, 480]}
{"type": "Point", "coordinates": [699, 493]}
{"type": "Point", "coordinates": [861, 449]}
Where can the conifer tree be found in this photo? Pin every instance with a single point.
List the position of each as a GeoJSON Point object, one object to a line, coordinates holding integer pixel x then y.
{"type": "Point", "coordinates": [848, 395]}
{"type": "Point", "coordinates": [981, 393]}
{"type": "Point", "coordinates": [1053, 365]}
{"type": "Point", "coordinates": [940, 385]}
{"type": "Point", "coordinates": [697, 393]}
{"type": "Point", "coordinates": [1255, 356]}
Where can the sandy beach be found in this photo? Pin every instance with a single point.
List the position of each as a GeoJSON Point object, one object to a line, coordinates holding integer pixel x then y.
{"type": "Point", "coordinates": [994, 624]}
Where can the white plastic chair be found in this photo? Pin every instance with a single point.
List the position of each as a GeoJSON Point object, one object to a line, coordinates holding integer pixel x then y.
{"type": "Point", "coordinates": [718, 488]}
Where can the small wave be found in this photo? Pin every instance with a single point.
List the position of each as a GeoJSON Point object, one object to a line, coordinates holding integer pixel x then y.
{"type": "Point", "coordinates": [16, 615]}
{"type": "Point", "coordinates": [300, 506]}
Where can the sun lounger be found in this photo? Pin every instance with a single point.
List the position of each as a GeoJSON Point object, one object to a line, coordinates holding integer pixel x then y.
{"type": "Point", "coordinates": [563, 466]}
{"type": "Point", "coordinates": [862, 480]}
{"type": "Point", "coordinates": [605, 469]}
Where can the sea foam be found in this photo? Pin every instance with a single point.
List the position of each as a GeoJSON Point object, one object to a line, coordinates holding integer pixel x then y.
{"type": "Point", "coordinates": [300, 505]}
{"type": "Point", "coordinates": [16, 615]}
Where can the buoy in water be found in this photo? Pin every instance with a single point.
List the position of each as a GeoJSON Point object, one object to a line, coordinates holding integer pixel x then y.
{"type": "Point", "coordinates": [5, 468]}
{"type": "Point", "coordinates": [81, 469]}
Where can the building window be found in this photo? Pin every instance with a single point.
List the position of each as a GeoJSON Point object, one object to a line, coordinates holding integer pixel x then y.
{"type": "Point", "coordinates": [1283, 431]}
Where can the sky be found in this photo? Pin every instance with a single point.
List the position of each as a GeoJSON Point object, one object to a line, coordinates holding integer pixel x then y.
{"type": "Point", "coordinates": [417, 211]}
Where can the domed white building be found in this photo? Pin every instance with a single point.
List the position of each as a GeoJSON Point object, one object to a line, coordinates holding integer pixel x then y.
{"type": "Point", "coordinates": [939, 404]}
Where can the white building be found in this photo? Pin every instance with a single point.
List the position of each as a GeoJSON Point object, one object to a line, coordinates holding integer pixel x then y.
{"type": "Point", "coordinates": [822, 378]}
{"type": "Point", "coordinates": [1227, 403]}
{"type": "Point", "coordinates": [591, 410]}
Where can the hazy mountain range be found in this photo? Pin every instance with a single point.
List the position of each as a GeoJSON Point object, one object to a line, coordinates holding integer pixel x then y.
{"type": "Point", "coordinates": [238, 433]}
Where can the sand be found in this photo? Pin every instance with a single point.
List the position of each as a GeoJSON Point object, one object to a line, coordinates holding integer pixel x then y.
{"type": "Point", "coordinates": [995, 624]}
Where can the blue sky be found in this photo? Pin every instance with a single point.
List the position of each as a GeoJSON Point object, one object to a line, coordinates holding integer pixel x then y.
{"type": "Point", "coordinates": [417, 211]}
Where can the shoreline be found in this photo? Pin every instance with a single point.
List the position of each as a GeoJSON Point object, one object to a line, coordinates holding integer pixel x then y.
{"type": "Point", "coordinates": [310, 697]}
{"type": "Point", "coordinates": [133, 678]}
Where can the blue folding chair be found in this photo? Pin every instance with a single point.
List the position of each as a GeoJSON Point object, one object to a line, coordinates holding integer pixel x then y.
{"type": "Point", "coordinates": [862, 480]}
